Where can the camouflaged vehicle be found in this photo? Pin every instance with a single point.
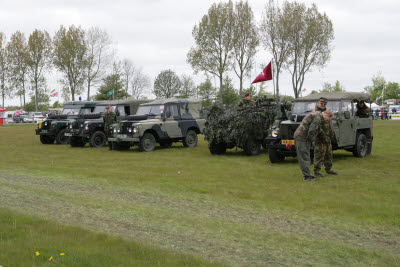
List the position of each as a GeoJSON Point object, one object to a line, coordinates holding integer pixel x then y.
{"type": "Point", "coordinates": [161, 121]}
{"type": "Point", "coordinates": [351, 133]}
{"type": "Point", "coordinates": [89, 128]}
{"type": "Point", "coordinates": [54, 127]}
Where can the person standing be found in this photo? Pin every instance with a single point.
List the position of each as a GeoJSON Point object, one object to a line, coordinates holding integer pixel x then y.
{"type": "Point", "coordinates": [246, 101]}
{"type": "Point", "coordinates": [323, 146]}
{"type": "Point", "coordinates": [109, 118]}
{"type": "Point", "coordinates": [305, 135]}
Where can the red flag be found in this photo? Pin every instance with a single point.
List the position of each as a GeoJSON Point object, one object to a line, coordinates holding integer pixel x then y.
{"type": "Point", "coordinates": [266, 75]}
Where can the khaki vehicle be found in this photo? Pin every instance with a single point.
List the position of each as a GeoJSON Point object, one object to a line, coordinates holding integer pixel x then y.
{"type": "Point", "coordinates": [351, 133]}
{"type": "Point", "coordinates": [162, 121]}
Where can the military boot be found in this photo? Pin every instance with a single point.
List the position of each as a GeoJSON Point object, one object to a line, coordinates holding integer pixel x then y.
{"type": "Point", "coordinates": [110, 146]}
{"type": "Point", "coordinates": [309, 178]}
{"type": "Point", "coordinates": [318, 174]}
{"type": "Point", "coordinates": [331, 172]}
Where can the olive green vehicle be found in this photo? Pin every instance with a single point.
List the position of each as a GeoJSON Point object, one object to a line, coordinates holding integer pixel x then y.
{"type": "Point", "coordinates": [89, 128]}
{"type": "Point", "coordinates": [352, 134]}
{"type": "Point", "coordinates": [54, 127]}
{"type": "Point", "coordinates": [162, 121]}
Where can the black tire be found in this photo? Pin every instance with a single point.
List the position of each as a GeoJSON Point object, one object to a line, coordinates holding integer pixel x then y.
{"type": "Point", "coordinates": [361, 147]}
{"type": "Point", "coordinates": [46, 139]}
{"type": "Point", "coordinates": [275, 156]}
{"type": "Point", "coordinates": [120, 146]}
{"type": "Point", "coordinates": [98, 139]}
{"type": "Point", "coordinates": [166, 144]}
{"type": "Point", "coordinates": [61, 139]}
{"type": "Point", "coordinates": [147, 142]}
{"type": "Point", "coordinates": [190, 139]}
{"type": "Point", "coordinates": [76, 141]}
{"type": "Point", "coordinates": [217, 148]}
{"type": "Point", "coordinates": [252, 147]}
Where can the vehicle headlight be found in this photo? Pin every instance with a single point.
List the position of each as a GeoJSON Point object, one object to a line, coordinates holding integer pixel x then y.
{"type": "Point", "coordinates": [45, 123]}
{"type": "Point", "coordinates": [81, 125]}
{"type": "Point", "coordinates": [274, 133]}
{"type": "Point", "coordinates": [118, 130]}
{"type": "Point", "coordinates": [86, 127]}
{"type": "Point", "coordinates": [130, 130]}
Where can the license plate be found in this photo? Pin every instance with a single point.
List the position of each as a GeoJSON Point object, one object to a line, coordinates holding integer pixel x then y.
{"type": "Point", "coordinates": [44, 131]}
{"type": "Point", "coordinates": [68, 134]}
{"type": "Point", "coordinates": [122, 136]}
{"type": "Point", "coordinates": [287, 142]}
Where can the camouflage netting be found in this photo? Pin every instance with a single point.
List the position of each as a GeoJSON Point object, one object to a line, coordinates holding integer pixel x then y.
{"type": "Point", "coordinates": [233, 126]}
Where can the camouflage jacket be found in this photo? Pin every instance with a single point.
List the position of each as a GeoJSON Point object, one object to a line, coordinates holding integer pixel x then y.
{"type": "Point", "coordinates": [109, 119]}
{"type": "Point", "coordinates": [363, 112]}
{"type": "Point", "coordinates": [317, 108]}
{"type": "Point", "coordinates": [309, 127]}
{"type": "Point", "coordinates": [246, 103]}
{"type": "Point", "coordinates": [326, 134]}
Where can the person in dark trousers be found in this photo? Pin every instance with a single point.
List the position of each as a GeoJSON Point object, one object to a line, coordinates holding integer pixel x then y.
{"type": "Point", "coordinates": [109, 118]}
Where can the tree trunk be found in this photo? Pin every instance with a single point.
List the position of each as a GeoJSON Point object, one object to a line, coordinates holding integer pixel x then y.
{"type": "Point", "coordinates": [241, 84]}
{"type": "Point", "coordinates": [220, 88]}
{"type": "Point", "coordinates": [88, 90]}
{"type": "Point", "coordinates": [36, 95]}
{"type": "Point", "coordinates": [277, 87]}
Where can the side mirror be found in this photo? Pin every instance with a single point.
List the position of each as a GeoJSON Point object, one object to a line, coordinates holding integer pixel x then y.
{"type": "Point", "coordinates": [346, 114]}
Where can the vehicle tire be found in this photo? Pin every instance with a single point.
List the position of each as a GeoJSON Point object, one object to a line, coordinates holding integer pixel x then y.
{"type": "Point", "coordinates": [217, 148]}
{"type": "Point", "coordinates": [76, 141]}
{"type": "Point", "coordinates": [190, 139]}
{"type": "Point", "coordinates": [252, 147]}
{"type": "Point", "coordinates": [275, 156]}
{"type": "Point", "coordinates": [120, 146]}
{"type": "Point", "coordinates": [98, 139]}
{"type": "Point", "coordinates": [147, 142]}
{"type": "Point", "coordinates": [166, 144]}
{"type": "Point", "coordinates": [46, 140]}
{"type": "Point", "coordinates": [61, 139]}
{"type": "Point", "coordinates": [361, 147]}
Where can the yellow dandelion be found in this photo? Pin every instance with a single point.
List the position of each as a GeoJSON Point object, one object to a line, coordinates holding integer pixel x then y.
{"type": "Point", "coordinates": [62, 254]}
{"type": "Point", "coordinates": [51, 258]}
{"type": "Point", "coordinates": [37, 253]}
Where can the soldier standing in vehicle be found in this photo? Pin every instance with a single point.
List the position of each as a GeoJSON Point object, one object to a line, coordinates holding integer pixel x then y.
{"type": "Point", "coordinates": [109, 118]}
{"type": "Point", "coordinates": [305, 135]}
{"type": "Point", "coordinates": [246, 101]}
{"type": "Point", "coordinates": [323, 146]}
{"type": "Point", "coordinates": [362, 110]}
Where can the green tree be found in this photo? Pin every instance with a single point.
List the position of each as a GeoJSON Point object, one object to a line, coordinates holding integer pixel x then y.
{"type": "Point", "coordinates": [112, 82]}
{"type": "Point", "coordinates": [188, 88]}
{"type": "Point", "coordinates": [56, 104]}
{"type": "Point", "coordinates": [207, 92]}
{"type": "Point", "coordinates": [376, 89]}
{"type": "Point", "coordinates": [69, 58]}
{"type": "Point", "coordinates": [275, 31]}
{"type": "Point", "coordinates": [167, 84]}
{"type": "Point", "coordinates": [42, 102]}
{"type": "Point", "coordinates": [246, 40]}
{"type": "Point", "coordinates": [310, 40]}
{"type": "Point", "coordinates": [5, 88]}
{"type": "Point", "coordinates": [17, 49]}
{"type": "Point", "coordinates": [229, 93]}
{"type": "Point", "coordinates": [38, 59]}
{"type": "Point", "coordinates": [392, 91]}
{"type": "Point", "coordinates": [327, 87]}
{"type": "Point", "coordinates": [214, 42]}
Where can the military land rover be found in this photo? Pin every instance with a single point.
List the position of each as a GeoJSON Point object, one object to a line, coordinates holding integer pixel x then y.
{"type": "Point", "coordinates": [54, 127]}
{"type": "Point", "coordinates": [352, 134]}
{"type": "Point", "coordinates": [161, 121]}
{"type": "Point", "coordinates": [89, 128]}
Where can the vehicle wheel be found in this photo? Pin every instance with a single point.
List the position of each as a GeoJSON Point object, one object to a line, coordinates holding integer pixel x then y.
{"type": "Point", "coordinates": [61, 139]}
{"type": "Point", "coordinates": [45, 139]}
{"type": "Point", "coordinates": [275, 156]}
{"type": "Point", "coordinates": [76, 142]}
{"type": "Point", "coordinates": [147, 143]}
{"type": "Point", "coordinates": [120, 146]}
{"type": "Point", "coordinates": [165, 144]}
{"type": "Point", "coordinates": [252, 147]}
{"type": "Point", "coordinates": [190, 139]}
{"type": "Point", "coordinates": [361, 147]}
{"type": "Point", "coordinates": [217, 148]}
{"type": "Point", "coordinates": [98, 139]}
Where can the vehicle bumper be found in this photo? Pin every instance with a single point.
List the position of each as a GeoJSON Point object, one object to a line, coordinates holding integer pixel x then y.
{"type": "Point", "coordinates": [44, 132]}
{"type": "Point", "coordinates": [124, 139]}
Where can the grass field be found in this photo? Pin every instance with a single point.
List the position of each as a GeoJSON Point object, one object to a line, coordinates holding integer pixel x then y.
{"type": "Point", "coordinates": [183, 206]}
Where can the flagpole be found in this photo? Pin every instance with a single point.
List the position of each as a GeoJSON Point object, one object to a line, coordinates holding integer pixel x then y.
{"type": "Point", "coordinates": [273, 76]}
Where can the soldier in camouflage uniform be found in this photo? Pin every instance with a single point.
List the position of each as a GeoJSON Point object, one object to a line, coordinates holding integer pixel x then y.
{"type": "Point", "coordinates": [362, 110]}
{"type": "Point", "coordinates": [246, 101]}
{"type": "Point", "coordinates": [305, 135]}
{"type": "Point", "coordinates": [323, 146]}
{"type": "Point", "coordinates": [109, 118]}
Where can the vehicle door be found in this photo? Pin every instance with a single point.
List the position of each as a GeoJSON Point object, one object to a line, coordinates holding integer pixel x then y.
{"type": "Point", "coordinates": [171, 124]}
{"type": "Point", "coordinates": [347, 136]}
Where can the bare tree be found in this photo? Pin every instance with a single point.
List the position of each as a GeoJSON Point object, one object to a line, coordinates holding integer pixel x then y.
{"type": "Point", "coordinates": [128, 71]}
{"type": "Point", "coordinates": [245, 40]}
{"type": "Point", "coordinates": [17, 49]}
{"type": "Point", "coordinates": [310, 41]}
{"type": "Point", "coordinates": [98, 55]}
{"type": "Point", "coordinates": [38, 59]}
{"type": "Point", "coordinates": [5, 89]}
{"type": "Point", "coordinates": [214, 42]}
{"type": "Point", "coordinates": [69, 58]}
{"type": "Point", "coordinates": [275, 32]}
{"type": "Point", "coordinates": [139, 83]}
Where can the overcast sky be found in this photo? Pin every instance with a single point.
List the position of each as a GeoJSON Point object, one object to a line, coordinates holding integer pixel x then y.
{"type": "Point", "coordinates": [157, 35]}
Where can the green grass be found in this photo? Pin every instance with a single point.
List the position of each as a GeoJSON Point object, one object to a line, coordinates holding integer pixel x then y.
{"type": "Point", "coordinates": [197, 208]}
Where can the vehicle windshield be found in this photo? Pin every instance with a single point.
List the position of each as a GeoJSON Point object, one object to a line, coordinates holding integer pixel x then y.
{"type": "Point", "coordinates": [85, 111]}
{"type": "Point", "coordinates": [71, 111]}
{"type": "Point", "coordinates": [102, 109]}
{"type": "Point", "coordinates": [150, 110]}
{"type": "Point", "coordinates": [305, 107]}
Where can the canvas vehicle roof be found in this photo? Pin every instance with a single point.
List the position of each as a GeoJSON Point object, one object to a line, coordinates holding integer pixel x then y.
{"type": "Point", "coordinates": [190, 107]}
{"type": "Point", "coordinates": [123, 102]}
{"type": "Point", "coordinates": [335, 96]}
{"type": "Point", "coordinates": [174, 100]}
{"type": "Point", "coordinates": [81, 103]}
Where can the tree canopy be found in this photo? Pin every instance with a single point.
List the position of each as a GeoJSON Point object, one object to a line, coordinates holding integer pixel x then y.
{"type": "Point", "coordinates": [167, 84]}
